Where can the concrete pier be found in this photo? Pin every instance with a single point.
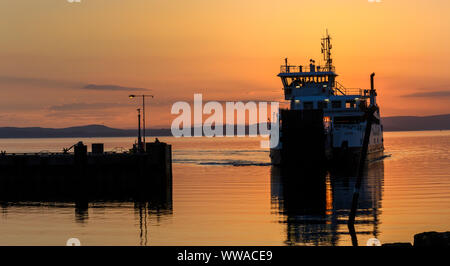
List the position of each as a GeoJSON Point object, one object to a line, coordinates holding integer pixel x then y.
{"type": "Point", "coordinates": [82, 176]}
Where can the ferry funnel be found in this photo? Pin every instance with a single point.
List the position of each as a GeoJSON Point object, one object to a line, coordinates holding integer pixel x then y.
{"type": "Point", "coordinates": [373, 93]}
{"type": "Point", "coordinates": [371, 81]}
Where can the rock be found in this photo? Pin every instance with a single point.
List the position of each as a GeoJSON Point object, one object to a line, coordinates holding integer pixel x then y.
{"type": "Point", "coordinates": [432, 239]}
{"type": "Point", "coordinates": [397, 244]}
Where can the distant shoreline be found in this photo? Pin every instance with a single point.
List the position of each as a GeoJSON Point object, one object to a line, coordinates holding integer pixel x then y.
{"type": "Point", "coordinates": [158, 136]}
{"type": "Point", "coordinates": [390, 124]}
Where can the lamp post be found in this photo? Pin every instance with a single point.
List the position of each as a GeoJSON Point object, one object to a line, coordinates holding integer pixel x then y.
{"type": "Point", "coordinates": [140, 146]}
{"type": "Point", "coordinates": [131, 96]}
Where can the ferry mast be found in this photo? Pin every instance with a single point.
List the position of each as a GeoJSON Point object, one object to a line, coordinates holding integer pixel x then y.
{"type": "Point", "coordinates": [326, 51]}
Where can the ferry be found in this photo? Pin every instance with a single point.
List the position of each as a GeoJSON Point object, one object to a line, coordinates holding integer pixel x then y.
{"type": "Point", "coordinates": [325, 122]}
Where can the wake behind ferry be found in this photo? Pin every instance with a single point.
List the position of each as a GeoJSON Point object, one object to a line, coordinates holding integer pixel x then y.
{"type": "Point", "coordinates": [325, 121]}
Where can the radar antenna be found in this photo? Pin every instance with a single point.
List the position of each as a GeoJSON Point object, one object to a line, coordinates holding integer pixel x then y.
{"type": "Point", "coordinates": [326, 51]}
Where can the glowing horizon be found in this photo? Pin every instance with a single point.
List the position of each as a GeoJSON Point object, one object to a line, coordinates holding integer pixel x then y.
{"type": "Point", "coordinates": [66, 64]}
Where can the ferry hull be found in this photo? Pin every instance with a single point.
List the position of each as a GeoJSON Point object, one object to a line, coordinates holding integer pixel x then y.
{"type": "Point", "coordinates": [349, 158]}
{"type": "Point", "coordinates": [305, 144]}
{"type": "Point", "coordinates": [302, 138]}
{"type": "Point", "coordinates": [339, 158]}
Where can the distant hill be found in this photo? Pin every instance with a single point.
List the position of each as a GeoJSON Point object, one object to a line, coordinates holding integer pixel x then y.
{"type": "Point", "coordinates": [393, 123]}
{"type": "Point", "coordinates": [80, 131]}
{"type": "Point", "coordinates": [73, 132]}
{"type": "Point", "coordinates": [414, 123]}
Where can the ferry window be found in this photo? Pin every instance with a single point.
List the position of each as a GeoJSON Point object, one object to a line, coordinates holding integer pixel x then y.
{"type": "Point", "coordinates": [362, 104]}
{"type": "Point", "coordinates": [291, 81]}
{"type": "Point", "coordinates": [322, 105]}
{"type": "Point", "coordinates": [350, 104]}
{"type": "Point", "coordinates": [336, 104]}
{"type": "Point", "coordinates": [347, 120]}
{"type": "Point", "coordinates": [308, 105]}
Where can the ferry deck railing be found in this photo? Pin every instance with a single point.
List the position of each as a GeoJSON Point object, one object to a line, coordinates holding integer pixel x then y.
{"type": "Point", "coordinates": [340, 89]}
{"type": "Point", "coordinates": [300, 69]}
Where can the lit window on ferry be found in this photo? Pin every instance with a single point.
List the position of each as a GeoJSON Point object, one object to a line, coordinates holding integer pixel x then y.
{"type": "Point", "coordinates": [336, 104]}
{"type": "Point", "coordinates": [327, 122]}
{"type": "Point", "coordinates": [350, 104]}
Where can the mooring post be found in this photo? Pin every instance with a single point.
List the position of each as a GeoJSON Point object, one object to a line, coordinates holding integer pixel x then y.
{"type": "Point", "coordinates": [160, 154]}
{"type": "Point", "coordinates": [370, 118]}
{"type": "Point", "coordinates": [362, 161]}
{"type": "Point", "coordinates": [80, 159]}
{"type": "Point", "coordinates": [80, 153]}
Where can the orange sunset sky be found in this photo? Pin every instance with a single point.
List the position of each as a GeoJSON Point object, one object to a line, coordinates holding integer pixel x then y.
{"type": "Point", "coordinates": [67, 64]}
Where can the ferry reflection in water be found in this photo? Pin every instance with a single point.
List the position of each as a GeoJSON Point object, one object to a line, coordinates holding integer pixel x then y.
{"type": "Point", "coordinates": [315, 206]}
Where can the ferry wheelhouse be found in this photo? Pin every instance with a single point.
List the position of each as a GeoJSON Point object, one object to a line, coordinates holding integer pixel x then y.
{"type": "Point", "coordinates": [325, 121]}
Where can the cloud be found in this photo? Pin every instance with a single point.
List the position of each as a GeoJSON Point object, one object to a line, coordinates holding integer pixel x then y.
{"type": "Point", "coordinates": [37, 82]}
{"type": "Point", "coordinates": [429, 94]}
{"type": "Point", "coordinates": [99, 87]}
{"type": "Point", "coordinates": [223, 101]}
{"type": "Point", "coordinates": [51, 83]}
{"type": "Point", "coordinates": [85, 106]}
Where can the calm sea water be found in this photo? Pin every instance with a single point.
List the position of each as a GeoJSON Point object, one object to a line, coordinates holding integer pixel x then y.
{"type": "Point", "coordinates": [226, 193]}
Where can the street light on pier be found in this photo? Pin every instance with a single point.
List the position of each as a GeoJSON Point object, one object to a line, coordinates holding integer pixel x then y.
{"type": "Point", "coordinates": [140, 147]}
{"type": "Point", "coordinates": [131, 96]}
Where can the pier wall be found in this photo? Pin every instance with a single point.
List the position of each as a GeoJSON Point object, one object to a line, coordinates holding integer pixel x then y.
{"type": "Point", "coordinates": [87, 176]}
